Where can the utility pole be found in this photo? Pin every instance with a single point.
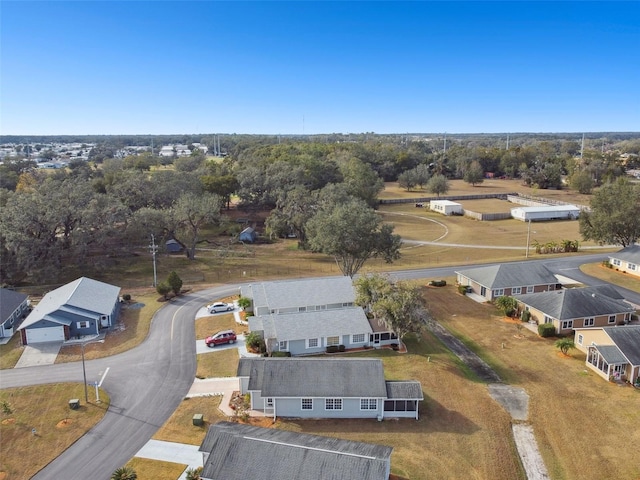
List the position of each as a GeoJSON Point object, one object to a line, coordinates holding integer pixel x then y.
{"type": "Point", "coordinates": [507, 141]}
{"type": "Point", "coordinates": [582, 147]}
{"type": "Point", "coordinates": [153, 248]}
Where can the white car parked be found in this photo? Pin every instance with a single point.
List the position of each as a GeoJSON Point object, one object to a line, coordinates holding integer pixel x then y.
{"type": "Point", "coordinates": [219, 307]}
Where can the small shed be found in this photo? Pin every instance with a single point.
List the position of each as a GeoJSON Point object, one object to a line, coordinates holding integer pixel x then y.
{"type": "Point", "coordinates": [550, 212]}
{"type": "Point", "coordinates": [248, 235]}
{"type": "Point", "coordinates": [446, 207]}
{"type": "Point", "coordinates": [173, 246]}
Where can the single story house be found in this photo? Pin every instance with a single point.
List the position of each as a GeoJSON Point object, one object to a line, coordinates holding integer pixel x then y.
{"type": "Point", "coordinates": [305, 316]}
{"type": "Point", "coordinates": [508, 279]}
{"type": "Point", "coordinates": [79, 308]}
{"type": "Point", "coordinates": [446, 207]}
{"type": "Point", "coordinates": [235, 451]}
{"type": "Point", "coordinates": [326, 388]}
{"type": "Point", "coordinates": [13, 307]}
{"type": "Point", "coordinates": [574, 308]}
{"type": "Point", "coordinates": [312, 332]}
{"type": "Point", "coordinates": [549, 212]}
{"type": "Point", "coordinates": [627, 260]}
{"type": "Point", "coordinates": [248, 235]}
{"type": "Point", "coordinates": [612, 352]}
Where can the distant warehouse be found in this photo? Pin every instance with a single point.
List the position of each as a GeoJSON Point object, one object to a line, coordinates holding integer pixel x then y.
{"type": "Point", "coordinates": [446, 207]}
{"type": "Point", "coordinates": [551, 212]}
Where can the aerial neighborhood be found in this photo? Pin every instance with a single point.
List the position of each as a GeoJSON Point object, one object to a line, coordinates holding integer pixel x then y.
{"type": "Point", "coordinates": [239, 306]}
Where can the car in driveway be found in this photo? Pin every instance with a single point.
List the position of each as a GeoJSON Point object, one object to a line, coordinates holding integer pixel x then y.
{"type": "Point", "coordinates": [219, 307]}
{"type": "Point", "coordinates": [220, 338]}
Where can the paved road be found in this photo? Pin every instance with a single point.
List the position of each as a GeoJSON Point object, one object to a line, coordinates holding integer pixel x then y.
{"type": "Point", "coordinates": [146, 384]}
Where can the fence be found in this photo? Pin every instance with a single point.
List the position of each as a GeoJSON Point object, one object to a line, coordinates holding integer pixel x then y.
{"type": "Point", "coordinates": [487, 216]}
{"type": "Point", "coordinates": [391, 201]}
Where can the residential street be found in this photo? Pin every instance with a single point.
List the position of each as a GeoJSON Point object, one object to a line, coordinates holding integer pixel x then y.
{"type": "Point", "coordinates": [147, 383]}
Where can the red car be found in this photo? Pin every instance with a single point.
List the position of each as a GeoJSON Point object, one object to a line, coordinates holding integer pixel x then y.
{"type": "Point", "coordinates": [225, 336]}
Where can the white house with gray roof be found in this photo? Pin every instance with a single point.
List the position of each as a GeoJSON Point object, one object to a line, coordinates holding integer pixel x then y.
{"type": "Point", "coordinates": [572, 308]}
{"type": "Point", "coordinates": [79, 308]}
{"type": "Point", "coordinates": [508, 279]}
{"type": "Point", "coordinates": [326, 388]}
{"type": "Point", "coordinates": [13, 307]}
{"type": "Point", "coordinates": [627, 260]}
{"type": "Point", "coordinates": [306, 316]}
{"type": "Point", "coordinates": [612, 352]}
{"type": "Point", "coordinates": [234, 451]}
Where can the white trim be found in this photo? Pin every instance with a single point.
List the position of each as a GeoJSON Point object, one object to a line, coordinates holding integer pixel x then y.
{"type": "Point", "coordinates": [353, 337]}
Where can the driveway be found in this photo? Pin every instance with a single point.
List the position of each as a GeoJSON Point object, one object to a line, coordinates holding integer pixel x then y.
{"type": "Point", "coordinates": [39, 354]}
{"type": "Point", "coordinates": [240, 344]}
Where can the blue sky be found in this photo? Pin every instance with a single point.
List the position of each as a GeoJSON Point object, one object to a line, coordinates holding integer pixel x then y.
{"type": "Point", "coordinates": [162, 67]}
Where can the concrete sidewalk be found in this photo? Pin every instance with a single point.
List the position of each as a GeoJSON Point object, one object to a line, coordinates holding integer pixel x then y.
{"type": "Point", "coordinates": [172, 452]}
{"type": "Point", "coordinates": [214, 387]}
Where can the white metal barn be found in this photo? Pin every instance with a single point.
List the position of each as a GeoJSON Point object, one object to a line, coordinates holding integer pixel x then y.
{"type": "Point", "coordinates": [446, 207]}
{"type": "Point", "coordinates": [551, 212]}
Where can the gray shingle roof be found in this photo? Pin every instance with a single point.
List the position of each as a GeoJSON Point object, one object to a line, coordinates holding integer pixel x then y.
{"type": "Point", "coordinates": [404, 390]}
{"type": "Point", "coordinates": [321, 323]}
{"type": "Point", "coordinates": [511, 275]}
{"type": "Point", "coordinates": [611, 354]}
{"type": "Point", "coordinates": [9, 302]}
{"type": "Point", "coordinates": [83, 294]}
{"type": "Point", "coordinates": [630, 253]}
{"type": "Point", "coordinates": [573, 303]}
{"type": "Point", "coordinates": [312, 377]}
{"type": "Point", "coordinates": [627, 339]}
{"type": "Point", "coordinates": [239, 452]}
{"type": "Point", "coordinates": [292, 293]}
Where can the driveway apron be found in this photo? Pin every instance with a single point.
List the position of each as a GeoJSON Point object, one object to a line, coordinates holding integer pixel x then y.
{"type": "Point", "coordinates": [39, 354]}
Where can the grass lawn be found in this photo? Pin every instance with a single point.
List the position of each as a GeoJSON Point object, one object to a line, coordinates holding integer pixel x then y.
{"type": "Point", "coordinates": [10, 352]}
{"type": "Point", "coordinates": [44, 408]}
{"type": "Point", "coordinates": [612, 275]}
{"type": "Point", "coordinates": [147, 469]}
{"type": "Point", "coordinates": [179, 428]}
{"type": "Point", "coordinates": [218, 363]}
{"type": "Point", "coordinates": [206, 326]}
{"type": "Point", "coordinates": [568, 403]}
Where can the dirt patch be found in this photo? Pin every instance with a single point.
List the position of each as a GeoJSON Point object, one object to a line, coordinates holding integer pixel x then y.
{"type": "Point", "coordinates": [3, 475]}
{"type": "Point", "coordinates": [8, 421]}
{"type": "Point", "coordinates": [64, 423]}
{"type": "Point", "coordinates": [563, 355]}
{"type": "Point", "coordinates": [473, 361]}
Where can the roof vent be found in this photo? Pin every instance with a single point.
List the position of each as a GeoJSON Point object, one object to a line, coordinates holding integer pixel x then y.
{"type": "Point", "coordinates": [593, 295]}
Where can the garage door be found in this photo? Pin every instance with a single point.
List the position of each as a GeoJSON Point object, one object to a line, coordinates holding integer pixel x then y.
{"type": "Point", "coordinates": [49, 334]}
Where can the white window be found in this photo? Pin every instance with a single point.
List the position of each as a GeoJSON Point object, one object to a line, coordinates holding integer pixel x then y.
{"type": "Point", "coordinates": [612, 319]}
{"type": "Point", "coordinates": [83, 324]}
{"type": "Point", "coordinates": [312, 343]}
{"type": "Point", "coordinates": [530, 289]}
{"type": "Point", "coordinates": [282, 346]}
{"type": "Point", "coordinates": [633, 267]}
{"type": "Point", "coordinates": [580, 339]}
{"type": "Point", "coordinates": [589, 322]}
{"type": "Point", "coordinates": [548, 319]}
{"type": "Point", "coordinates": [516, 290]}
{"type": "Point", "coordinates": [615, 261]}
{"type": "Point", "coordinates": [307, 404]}
{"type": "Point", "coordinates": [333, 404]}
{"type": "Point", "coordinates": [627, 316]}
{"type": "Point", "coordinates": [269, 402]}
{"type": "Point", "coordinates": [498, 292]}
{"type": "Point", "coordinates": [368, 404]}
{"type": "Point", "coordinates": [302, 309]}
{"type": "Point", "coordinates": [357, 338]}
{"type": "Point", "coordinates": [567, 324]}
{"type": "Point", "coordinates": [333, 341]}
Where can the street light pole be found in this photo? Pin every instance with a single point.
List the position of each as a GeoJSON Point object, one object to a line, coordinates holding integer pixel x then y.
{"type": "Point", "coordinates": [84, 375]}
{"type": "Point", "coordinates": [528, 238]}
{"type": "Point", "coordinates": [154, 250]}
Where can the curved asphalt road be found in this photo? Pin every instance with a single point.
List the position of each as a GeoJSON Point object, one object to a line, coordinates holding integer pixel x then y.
{"type": "Point", "coordinates": [147, 384]}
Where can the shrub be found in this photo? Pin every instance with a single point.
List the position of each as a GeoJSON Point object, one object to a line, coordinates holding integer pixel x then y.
{"type": "Point", "coordinates": [607, 263]}
{"type": "Point", "coordinates": [526, 316]}
{"type": "Point", "coordinates": [341, 348]}
{"type": "Point", "coordinates": [546, 330]}
{"type": "Point", "coordinates": [254, 340]}
{"type": "Point", "coordinates": [332, 349]}
{"type": "Point", "coordinates": [126, 297]}
{"type": "Point", "coordinates": [507, 304]}
{"type": "Point", "coordinates": [280, 354]}
{"type": "Point", "coordinates": [244, 303]}
{"type": "Point", "coordinates": [438, 283]}
{"type": "Point", "coordinates": [462, 289]}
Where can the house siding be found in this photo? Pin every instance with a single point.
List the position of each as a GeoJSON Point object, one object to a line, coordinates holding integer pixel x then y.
{"type": "Point", "coordinates": [292, 407]}
{"type": "Point", "coordinates": [626, 266]}
{"type": "Point", "coordinates": [589, 336]}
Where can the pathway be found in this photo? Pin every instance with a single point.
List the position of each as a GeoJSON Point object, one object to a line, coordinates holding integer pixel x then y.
{"type": "Point", "coordinates": [513, 399]}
